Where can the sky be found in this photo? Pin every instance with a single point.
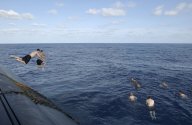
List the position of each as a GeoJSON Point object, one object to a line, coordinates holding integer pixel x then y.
{"type": "Point", "coordinates": [95, 21]}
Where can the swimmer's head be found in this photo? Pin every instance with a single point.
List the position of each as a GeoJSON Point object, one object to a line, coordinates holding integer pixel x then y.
{"type": "Point", "coordinates": [181, 92]}
{"type": "Point", "coordinates": [138, 85]}
{"type": "Point", "coordinates": [132, 79]}
{"type": "Point", "coordinates": [132, 98]}
{"type": "Point", "coordinates": [163, 85]}
{"type": "Point", "coordinates": [182, 95]}
{"type": "Point", "coordinates": [149, 97]}
{"type": "Point", "coordinates": [38, 49]}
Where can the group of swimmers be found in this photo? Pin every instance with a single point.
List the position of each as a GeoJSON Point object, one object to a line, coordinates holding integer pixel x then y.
{"type": "Point", "coordinates": [150, 101]}
{"type": "Point", "coordinates": [37, 53]}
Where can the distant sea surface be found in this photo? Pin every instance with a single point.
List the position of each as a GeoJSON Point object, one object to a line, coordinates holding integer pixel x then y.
{"type": "Point", "coordinates": [91, 82]}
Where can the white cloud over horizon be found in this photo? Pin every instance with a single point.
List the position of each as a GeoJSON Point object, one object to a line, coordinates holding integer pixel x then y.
{"type": "Point", "coordinates": [118, 9]}
{"type": "Point", "coordinates": [74, 18]}
{"type": "Point", "coordinates": [38, 25]}
{"type": "Point", "coordinates": [158, 10]}
{"type": "Point", "coordinates": [117, 22]}
{"type": "Point", "coordinates": [179, 8]}
{"type": "Point", "coordinates": [107, 12]}
{"type": "Point", "coordinates": [11, 14]}
{"type": "Point", "coordinates": [98, 34]}
{"type": "Point", "coordinates": [113, 12]}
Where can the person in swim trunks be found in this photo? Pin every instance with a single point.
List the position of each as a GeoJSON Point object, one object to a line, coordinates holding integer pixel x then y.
{"type": "Point", "coordinates": [151, 106]}
{"type": "Point", "coordinates": [132, 97]}
{"type": "Point", "coordinates": [41, 60]}
{"type": "Point", "coordinates": [136, 84]}
{"type": "Point", "coordinates": [182, 95]}
{"type": "Point", "coordinates": [28, 57]}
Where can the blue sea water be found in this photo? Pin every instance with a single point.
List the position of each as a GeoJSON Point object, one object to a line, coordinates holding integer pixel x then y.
{"type": "Point", "coordinates": [91, 82]}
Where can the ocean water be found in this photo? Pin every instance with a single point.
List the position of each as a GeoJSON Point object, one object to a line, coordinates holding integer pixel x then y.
{"type": "Point", "coordinates": [91, 82]}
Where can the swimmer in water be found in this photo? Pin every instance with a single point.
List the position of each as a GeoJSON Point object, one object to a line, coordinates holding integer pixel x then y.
{"type": "Point", "coordinates": [41, 60]}
{"type": "Point", "coordinates": [164, 85]}
{"type": "Point", "coordinates": [151, 106]}
{"type": "Point", "coordinates": [136, 83]}
{"type": "Point", "coordinates": [182, 95]}
{"type": "Point", "coordinates": [132, 97]}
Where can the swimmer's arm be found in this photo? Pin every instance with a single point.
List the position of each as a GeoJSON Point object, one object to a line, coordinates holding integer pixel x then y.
{"type": "Point", "coordinates": [42, 57]}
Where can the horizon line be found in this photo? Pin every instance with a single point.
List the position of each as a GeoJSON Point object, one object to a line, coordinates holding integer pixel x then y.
{"type": "Point", "coordinates": [103, 43]}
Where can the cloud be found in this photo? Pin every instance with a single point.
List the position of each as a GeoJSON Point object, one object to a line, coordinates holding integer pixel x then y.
{"type": "Point", "coordinates": [158, 10]}
{"type": "Point", "coordinates": [11, 14]}
{"type": "Point", "coordinates": [117, 9]}
{"type": "Point", "coordinates": [178, 9]}
{"type": "Point", "coordinates": [131, 4]}
{"type": "Point", "coordinates": [53, 12]}
{"type": "Point", "coordinates": [11, 31]}
{"type": "Point", "coordinates": [38, 25]}
{"type": "Point", "coordinates": [12, 24]}
{"type": "Point", "coordinates": [118, 5]}
{"type": "Point", "coordinates": [117, 22]}
{"type": "Point", "coordinates": [74, 18]}
{"type": "Point", "coordinates": [171, 13]}
{"type": "Point", "coordinates": [93, 11]}
{"type": "Point", "coordinates": [107, 12]}
{"type": "Point", "coordinates": [85, 34]}
{"type": "Point", "coordinates": [59, 4]}
{"type": "Point", "coordinates": [181, 7]}
{"type": "Point", "coordinates": [27, 16]}
{"type": "Point", "coordinates": [113, 12]}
